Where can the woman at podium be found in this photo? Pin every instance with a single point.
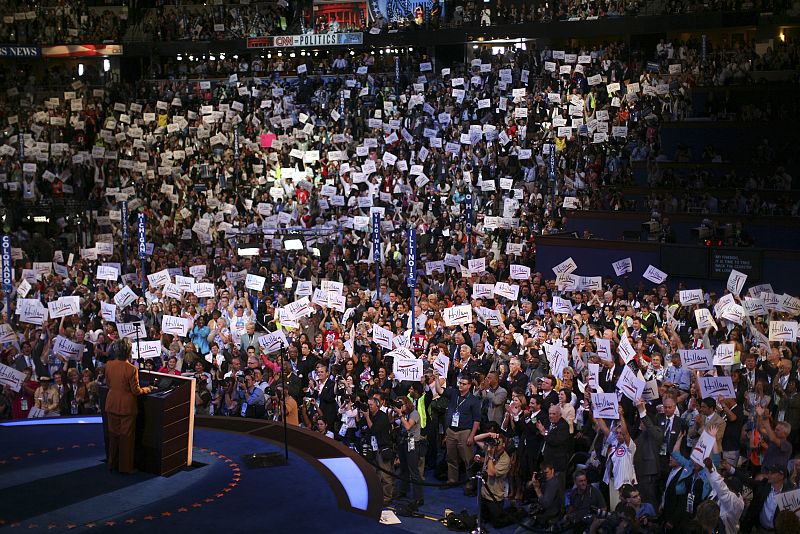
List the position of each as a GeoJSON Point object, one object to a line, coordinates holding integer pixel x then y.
{"type": "Point", "coordinates": [122, 379]}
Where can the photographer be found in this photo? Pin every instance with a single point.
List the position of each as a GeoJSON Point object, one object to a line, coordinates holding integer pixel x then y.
{"type": "Point", "coordinates": [202, 396]}
{"type": "Point", "coordinates": [549, 494]}
{"type": "Point", "coordinates": [496, 465]}
{"type": "Point", "coordinates": [251, 397]}
{"type": "Point", "coordinates": [409, 450]}
{"type": "Point", "coordinates": [377, 423]}
{"type": "Point", "coordinates": [583, 500]}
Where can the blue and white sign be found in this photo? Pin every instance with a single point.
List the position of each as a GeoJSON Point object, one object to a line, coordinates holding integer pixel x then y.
{"type": "Point", "coordinates": [8, 280]}
{"type": "Point", "coordinates": [468, 213]}
{"type": "Point", "coordinates": [21, 146]}
{"type": "Point", "coordinates": [552, 161]}
{"type": "Point", "coordinates": [412, 257]}
{"type": "Point", "coordinates": [11, 51]}
{"type": "Point", "coordinates": [376, 237]}
{"type": "Point", "coordinates": [142, 237]}
{"type": "Point", "coordinates": [124, 217]}
{"type": "Point", "coordinates": [236, 143]}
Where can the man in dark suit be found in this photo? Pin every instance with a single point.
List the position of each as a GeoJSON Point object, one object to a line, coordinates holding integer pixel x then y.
{"type": "Point", "coordinates": [760, 515]}
{"type": "Point", "coordinates": [31, 358]}
{"type": "Point", "coordinates": [671, 427]}
{"type": "Point", "coordinates": [556, 442]}
{"type": "Point", "coordinates": [534, 440]}
{"type": "Point", "coordinates": [327, 396]}
{"type": "Point", "coordinates": [750, 374]}
{"type": "Point", "coordinates": [645, 460]}
{"type": "Point", "coordinates": [609, 376]}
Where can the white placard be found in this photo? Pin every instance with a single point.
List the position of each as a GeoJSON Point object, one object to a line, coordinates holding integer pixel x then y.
{"type": "Point", "coordinates": [724, 354]}
{"type": "Point", "coordinates": [177, 326]}
{"type": "Point", "coordinates": [520, 272]}
{"type": "Point", "coordinates": [255, 282]}
{"type": "Point", "coordinates": [159, 278]}
{"type": "Point", "coordinates": [64, 307]}
{"type": "Point", "coordinates": [623, 266]}
{"type": "Point", "coordinates": [299, 308]}
{"type": "Point", "coordinates": [125, 297]}
{"type": "Point", "coordinates": [456, 315]}
{"type": "Point", "coordinates": [477, 266]}
{"type": "Point", "coordinates": [789, 500]}
{"type": "Point", "coordinates": [198, 271]}
{"type": "Point", "coordinates": [108, 311]}
{"type": "Point", "coordinates": [107, 272]}
{"type": "Point", "coordinates": [67, 348]}
{"type": "Point", "coordinates": [509, 291]}
{"type": "Point", "coordinates": [697, 359]}
{"type": "Point", "coordinates": [630, 385]}
{"type": "Point", "coordinates": [605, 406]}
{"type": "Point", "coordinates": [273, 342]}
{"type": "Point", "coordinates": [303, 289]}
{"type": "Point", "coordinates": [736, 282]}
{"type": "Point", "coordinates": [132, 330]}
{"type": "Point", "coordinates": [146, 349]}
{"type": "Point", "coordinates": [783, 331]}
{"type": "Point", "coordinates": [562, 305]}
{"type": "Point", "coordinates": [655, 275]}
{"type": "Point", "coordinates": [718, 387]}
{"type": "Point", "coordinates": [407, 369]}
{"type": "Point", "coordinates": [625, 349]}
{"type": "Point", "coordinates": [558, 357]}
{"type": "Point", "coordinates": [703, 448]}
{"type": "Point", "coordinates": [482, 291]}
{"type": "Point", "coordinates": [382, 336]}
{"type": "Point", "coordinates": [691, 296]}
{"type": "Point", "coordinates": [565, 267]}
{"type": "Point", "coordinates": [604, 349]}
{"type": "Point", "coordinates": [704, 319]}
{"type": "Point", "coordinates": [11, 378]}
{"type": "Point", "coordinates": [203, 290]}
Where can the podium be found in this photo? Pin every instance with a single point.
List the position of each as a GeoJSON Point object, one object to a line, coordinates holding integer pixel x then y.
{"type": "Point", "coordinates": [164, 424]}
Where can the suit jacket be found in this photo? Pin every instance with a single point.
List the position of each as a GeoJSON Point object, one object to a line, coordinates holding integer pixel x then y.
{"type": "Point", "coordinates": [327, 402]}
{"type": "Point", "coordinates": [678, 426]}
{"type": "Point", "coordinates": [648, 443]}
{"type": "Point", "coordinates": [123, 388]}
{"type": "Point", "coordinates": [761, 491]}
{"type": "Point", "coordinates": [758, 375]}
{"type": "Point", "coordinates": [605, 383]}
{"type": "Point", "coordinates": [86, 359]}
{"type": "Point", "coordinates": [556, 446]}
{"type": "Point", "coordinates": [39, 368]}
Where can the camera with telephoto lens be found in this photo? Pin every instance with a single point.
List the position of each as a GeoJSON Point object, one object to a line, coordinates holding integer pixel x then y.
{"type": "Point", "coordinates": [361, 406]}
{"type": "Point", "coordinates": [610, 520]}
{"type": "Point", "coordinates": [491, 442]}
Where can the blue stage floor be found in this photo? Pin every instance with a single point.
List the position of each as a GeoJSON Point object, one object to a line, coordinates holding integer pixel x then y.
{"type": "Point", "coordinates": [52, 479]}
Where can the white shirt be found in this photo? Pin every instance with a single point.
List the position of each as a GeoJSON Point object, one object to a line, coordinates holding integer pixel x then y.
{"type": "Point", "coordinates": [767, 515]}
{"type": "Point", "coordinates": [620, 462]}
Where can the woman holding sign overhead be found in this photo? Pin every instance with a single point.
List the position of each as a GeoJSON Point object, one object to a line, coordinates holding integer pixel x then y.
{"type": "Point", "coordinates": [120, 407]}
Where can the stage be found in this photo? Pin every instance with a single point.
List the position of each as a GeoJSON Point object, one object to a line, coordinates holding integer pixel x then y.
{"type": "Point", "coordinates": [53, 479]}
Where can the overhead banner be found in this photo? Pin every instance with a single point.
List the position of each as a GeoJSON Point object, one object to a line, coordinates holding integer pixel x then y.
{"type": "Point", "coordinates": [14, 52]}
{"type": "Point", "coordinates": [85, 50]}
{"type": "Point", "coordinates": [312, 39]}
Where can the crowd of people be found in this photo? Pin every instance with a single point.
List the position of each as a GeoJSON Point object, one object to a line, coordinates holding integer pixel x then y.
{"type": "Point", "coordinates": [57, 22]}
{"type": "Point", "coordinates": [214, 23]}
{"type": "Point", "coordinates": [571, 394]}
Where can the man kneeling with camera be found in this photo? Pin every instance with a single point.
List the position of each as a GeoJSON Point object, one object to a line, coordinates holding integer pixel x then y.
{"type": "Point", "coordinates": [496, 465]}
